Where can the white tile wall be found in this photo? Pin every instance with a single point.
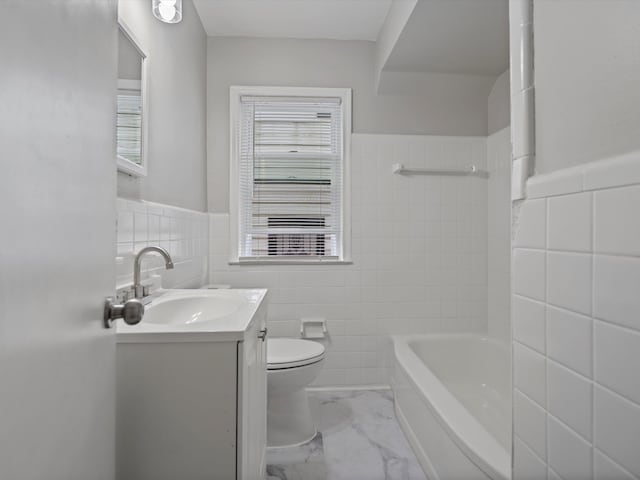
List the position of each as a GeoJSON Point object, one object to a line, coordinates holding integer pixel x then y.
{"type": "Point", "coordinates": [569, 398]}
{"type": "Point", "coordinates": [419, 258]}
{"type": "Point", "coordinates": [617, 224]}
{"type": "Point", "coordinates": [605, 468]}
{"type": "Point", "coordinates": [569, 454]}
{"type": "Point", "coordinates": [530, 419]}
{"type": "Point", "coordinates": [528, 322]}
{"type": "Point", "coordinates": [531, 233]}
{"type": "Point", "coordinates": [617, 358]}
{"type": "Point", "coordinates": [617, 426]}
{"type": "Point", "coordinates": [588, 402]}
{"type": "Point", "coordinates": [183, 233]}
{"type": "Point", "coordinates": [616, 283]}
{"type": "Point", "coordinates": [526, 464]}
{"type": "Point", "coordinates": [569, 339]}
{"type": "Point", "coordinates": [531, 280]}
{"type": "Point", "coordinates": [568, 281]}
{"type": "Point", "coordinates": [529, 373]}
{"type": "Point", "coordinates": [570, 222]}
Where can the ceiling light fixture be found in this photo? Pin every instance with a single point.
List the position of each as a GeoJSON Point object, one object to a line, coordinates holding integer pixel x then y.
{"type": "Point", "coordinates": [167, 11]}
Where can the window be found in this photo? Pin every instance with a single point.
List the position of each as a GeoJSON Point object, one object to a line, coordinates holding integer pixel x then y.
{"type": "Point", "coordinates": [289, 165]}
{"type": "Point", "coordinates": [129, 121]}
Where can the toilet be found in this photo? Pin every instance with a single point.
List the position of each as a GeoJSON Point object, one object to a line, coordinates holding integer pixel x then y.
{"type": "Point", "coordinates": [292, 364]}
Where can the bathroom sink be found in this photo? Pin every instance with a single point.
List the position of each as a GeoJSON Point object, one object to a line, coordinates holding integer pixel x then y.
{"type": "Point", "coordinates": [177, 310]}
{"type": "Point", "coordinates": [182, 315]}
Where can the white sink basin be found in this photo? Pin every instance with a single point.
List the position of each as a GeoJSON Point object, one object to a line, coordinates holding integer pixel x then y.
{"type": "Point", "coordinates": [194, 316]}
{"type": "Point", "coordinates": [188, 310]}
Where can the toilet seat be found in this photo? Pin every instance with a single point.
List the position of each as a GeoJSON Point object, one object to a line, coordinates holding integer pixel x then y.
{"type": "Point", "coordinates": [283, 353]}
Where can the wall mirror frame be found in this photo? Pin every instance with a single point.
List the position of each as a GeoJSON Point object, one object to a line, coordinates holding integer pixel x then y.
{"type": "Point", "coordinates": [132, 118]}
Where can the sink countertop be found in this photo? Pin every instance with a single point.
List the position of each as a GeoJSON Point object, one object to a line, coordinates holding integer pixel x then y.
{"type": "Point", "coordinates": [228, 323]}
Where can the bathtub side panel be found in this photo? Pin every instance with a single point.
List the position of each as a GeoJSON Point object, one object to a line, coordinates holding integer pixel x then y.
{"type": "Point", "coordinates": [439, 456]}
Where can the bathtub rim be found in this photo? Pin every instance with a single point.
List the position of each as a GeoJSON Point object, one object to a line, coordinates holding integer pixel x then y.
{"type": "Point", "coordinates": [463, 428]}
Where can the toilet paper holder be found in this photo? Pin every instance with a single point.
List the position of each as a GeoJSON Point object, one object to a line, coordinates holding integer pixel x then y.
{"type": "Point", "coordinates": [313, 328]}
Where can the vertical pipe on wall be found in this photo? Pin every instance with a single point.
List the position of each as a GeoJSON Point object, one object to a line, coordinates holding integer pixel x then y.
{"type": "Point", "coordinates": [522, 94]}
{"type": "Point", "coordinates": [522, 122]}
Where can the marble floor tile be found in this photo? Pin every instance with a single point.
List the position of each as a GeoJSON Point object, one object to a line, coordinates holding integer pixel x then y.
{"type": "Point", "coordinates": [359, 439]}
{"type": "Point", "coordinates": [305, 462]}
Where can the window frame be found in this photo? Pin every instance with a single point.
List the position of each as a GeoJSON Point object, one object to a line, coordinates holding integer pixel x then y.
{"type": "Point", "coordinates": [235, 94]}
{"type": "Point", "coordinates": [125, 165]}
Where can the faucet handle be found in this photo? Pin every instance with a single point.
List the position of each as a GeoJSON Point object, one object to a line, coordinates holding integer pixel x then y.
{"type": "Point", "coordinates": [130, 311]}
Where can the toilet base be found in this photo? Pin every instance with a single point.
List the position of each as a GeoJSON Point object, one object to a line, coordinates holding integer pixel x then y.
{"type": "Point", "coordinates": [289, 421]}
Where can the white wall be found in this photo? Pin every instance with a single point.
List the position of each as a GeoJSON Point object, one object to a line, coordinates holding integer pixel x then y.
{"type": "Point", "coordinates": [457, 103]}
{"type": "Point", "coordinates": [499, 209]}
{"type": "Point", "coordinates": [129, 60]}
{"type": "Point", "coordinates": [499, 104]}
{"type": "Point", "coordinates": [587, 72]}
{"type": "Point", "coordinates": [183, 233]}
{"type": "Point", "coordinates": [499, 234]}
{"type": "Point", "coordinates": [397, 17]}
{"type": "Point", "coordinates": [576, 324]}
{"type": "Point", "coordinates": [441, 110]}
{"type": "Point", "coordinates": [419, 257]}
{"type": "Point", "coordinates": [177, 95]}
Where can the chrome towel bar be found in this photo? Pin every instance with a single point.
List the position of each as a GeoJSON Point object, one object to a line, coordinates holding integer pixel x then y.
{"type": "Point", "coordinates": [472, 171]}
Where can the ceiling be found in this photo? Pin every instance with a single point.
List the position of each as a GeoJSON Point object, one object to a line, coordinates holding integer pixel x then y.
{"type": "Point", "coordinates": [468, 37]}
{"type": "Point", "coordinates": [314, 19]}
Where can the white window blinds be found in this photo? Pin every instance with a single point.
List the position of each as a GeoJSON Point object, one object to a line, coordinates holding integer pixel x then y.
{"type": "Point", "coordinates": [129, 125]}
{"type": "Point", "coordinates": [291, 177]}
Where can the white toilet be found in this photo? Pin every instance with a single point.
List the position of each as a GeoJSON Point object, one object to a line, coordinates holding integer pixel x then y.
{"type": "Point", "coordinates": [292, 364]}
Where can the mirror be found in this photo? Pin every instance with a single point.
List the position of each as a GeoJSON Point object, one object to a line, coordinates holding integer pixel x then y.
{"type": "Point", "coordinates": [131, 118]}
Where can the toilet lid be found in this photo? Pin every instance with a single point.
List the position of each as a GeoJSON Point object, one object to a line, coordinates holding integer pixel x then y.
{"type": "Point", "coordinates": [292, 352]}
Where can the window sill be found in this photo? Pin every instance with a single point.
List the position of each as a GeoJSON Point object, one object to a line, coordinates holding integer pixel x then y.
{"type": "Point", "coordinates": [290, 262]}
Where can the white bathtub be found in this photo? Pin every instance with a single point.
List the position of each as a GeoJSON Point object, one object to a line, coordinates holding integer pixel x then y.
{"type": "Point", "coordinates": [453, 400]}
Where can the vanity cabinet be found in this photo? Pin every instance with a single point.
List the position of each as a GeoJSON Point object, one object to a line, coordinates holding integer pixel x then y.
{"type": "Point", "coordinates": [192, 406]}
{"type": "Point", "coordinates": [252, 403]}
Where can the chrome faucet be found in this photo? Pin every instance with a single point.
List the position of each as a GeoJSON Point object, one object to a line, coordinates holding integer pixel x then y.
{"type": "Point", "coordinates": [138, 290]}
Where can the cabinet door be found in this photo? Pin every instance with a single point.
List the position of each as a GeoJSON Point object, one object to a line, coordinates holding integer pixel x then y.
{"type": "Point", "coordinates": [176, 407]}
{"type": "Point", "coordinates": [252, 401]}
